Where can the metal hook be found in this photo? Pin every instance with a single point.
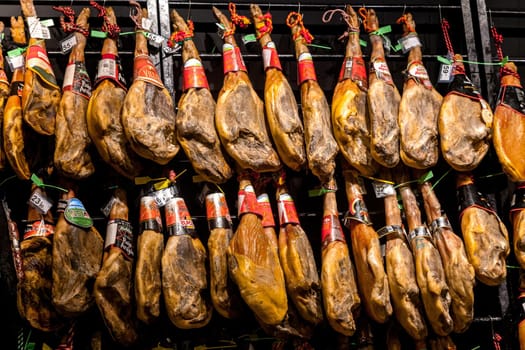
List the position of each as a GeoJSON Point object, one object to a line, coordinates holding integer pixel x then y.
{"type": "Point", "coordinates": [404, 8]}
{"type": "Point", "coordinates": [440, 16]}
{"type": "Point", "coordinates": [299, 7]}
{"type": "Point", "coordinates": [490, 18]}
{"type": "Point", "coordinates": [189, 11]}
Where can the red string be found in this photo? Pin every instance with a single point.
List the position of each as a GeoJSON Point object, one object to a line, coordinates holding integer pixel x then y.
{"type": "Point", "coordinates": [497, 339]}
{"type": "Point", "coordinates": [237, 20]}
{"type": "Point", "coordinates": [181, 35]}
{"type": "Point", "coordinates": [498, 41]}
{"type": "Point", "coordinates": [69, 26]}
{"type": "Point", "coordinates": [445, 27]}
{"type": "Point", "coordinates": [264, 25]}
{"type": "Point", "coordinates": [294, 19]}
{"type": "Point", "coordinates": [111, 29]}
{"type": "Point", "coordinates": [403, 20]}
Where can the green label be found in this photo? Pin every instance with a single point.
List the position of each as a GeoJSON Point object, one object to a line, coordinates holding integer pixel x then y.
{"type": "Point", "coordinates": [77, 215]}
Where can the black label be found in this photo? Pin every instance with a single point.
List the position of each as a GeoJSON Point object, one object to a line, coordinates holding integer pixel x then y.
{"type": "Point", "coordinates": [16, 88]}
{"type": "Point", "coordinates": [513, 97]}
{"type": "Point", "coordinates": [150, 225]}
{"type": "Point", "coordinates": [468, 196]}
{"type": "Point", "coordinates": [518, 199]}
{"type": "Point", "coordinates": [463, 86]}
{"type": "Point", "coordinates": [120, 234]}
{"type": "Point", "coordinates": [220, 222]}
{"type": "Point", "coordinates": [358, 212]}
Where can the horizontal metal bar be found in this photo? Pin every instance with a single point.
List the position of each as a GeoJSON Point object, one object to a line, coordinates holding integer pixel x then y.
{"type": "Point", "coordinates": [506, 12]}
{"type": "Point", "coordinates": [312, 6]}
{"type": "Point", "coordinates": [487, 319]}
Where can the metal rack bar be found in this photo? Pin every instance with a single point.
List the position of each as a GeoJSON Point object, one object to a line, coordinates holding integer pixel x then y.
{"type": "Point", "coordinates": [312, 6]}
{"type": "Point", "coordinates": [471, 41]}
{"type": "Point", "coordinates": [486, 51]}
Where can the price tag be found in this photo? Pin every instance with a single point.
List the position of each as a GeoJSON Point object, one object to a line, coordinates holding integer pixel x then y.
{"type": "Point", "coordinates": [409, 42]}
{"type": "Point", "coordinates": [40, 202]}
{"type": "Point", "coordinates": [147, 23]}
{"type": "Point", "coordinates": [383, 189]}
{"type": "Point", "coordinates": [249, 38]}
{"type": "Point", "coordinates": [68, 43]}
{"type": "Point", "coordinates": [107, 208]}
{"type": "Point", "coordinates": [387, 44]}
{"type": "Point", "coordinates": [36, 29]}
{"type": "Point", "coordinates": [47, 23]}
{"type": "Point", "coordinates": [154, 39]}
{"type": "Point", "coordinates": [445, 73]}
{"type": "Point", "coordinates": [163, 196]}
{"type": "Point", "coordinates": [171, 50]}
{"type": "Point", "coordinates": [15, 62]}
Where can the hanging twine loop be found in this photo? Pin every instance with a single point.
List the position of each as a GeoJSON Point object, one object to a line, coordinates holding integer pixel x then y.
{"type": "Point", "coordinates": [68, 20]}
{"type": "Point", "coordinates": [294, 19]}
{"type": "Point", "coordinates": [236, 19]}
{"type": "Point", "coordinates": [498, 43]}
{"type": "Point", "coordinates": [445, 26]}
{"type": "Point", "coordinates": [264, 25]}
{"type": "Point", "coordinates": [180, 35]}
{"type": "Point", "coordinates": [328, 15]}
{"type": "Point", "coordinates": [404, 20]}
{"type": "Point", "coordinates": [112, 30]}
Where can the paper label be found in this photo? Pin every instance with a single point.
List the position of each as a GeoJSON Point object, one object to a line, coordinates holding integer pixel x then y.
{"type": "Point", "coordinates": [178, 219]}
{"type": "Point", "coordinates": [76, 80]}
{"type": "Point", "coordinates": [305, 68]}
{"type": "Point", "coordinates": [155, 40]}
{"type": "Point", "coordinates": [380, 68]}
{"type": "Point", "coordinates": [68, 43]}
{"type": "Point", "coordinates": [149, 214]}
{"type": "Point", "coordinates": [383, 189]}
{"type": "Point", "coordinates": [217, 211]}
{"type": "Point", "coordinates": [119, 234]}
{"type": "Point", "coordinates": [270, 57]}
{"type": "Point", "coordinates": [445, 73]}
{"type": "Point", "coordinates": [408, 42]}
{"type": "Point", "coordinates": [77, 215]}
{"type": "Point", "coordinates": [286, 209]}
{"type": "Point", "coordinates": [16, 62]}
{"type": "Point", "coordinates": [418, 72]}
{"type": "Point", "coordinates": [109, 67]}
{"type": "Point", "coordinates": [36, 29]}
{"type": "Point", "coordinates": [40, 202]}
{"type": "Point", "coordinates": [143, 69]}
{"type": "Point", "coordinates": [265, 206]}
{"type": "Point", "coordinates": [164, 195]}
{"type": "Point", "coordinates": [193, 75]}
{"type": "Point", "coordinates": [232, 59]}
{"type": "Point", "coordinates": [39, 229]}
{"type": "Point", "coordinates": [354, 68]}
{"type": "Point", "coordinates": [357, 211]}
{"type": "Point", "coordinates": [38, 62]}
{"type": "Point", "coordinates": [107, 208]}
{"type": "Point", "coordinates": [331, 230]}
{"type": "Point", "coordinates": [512, 97]}
{"type": "Point", "coordinates": [247, 201]}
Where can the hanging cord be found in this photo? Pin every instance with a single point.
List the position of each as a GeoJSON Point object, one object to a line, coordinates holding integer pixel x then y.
{"type": "Point", "coordinates": [264, 25]}
{"type": "Point", "coordinates": [498, 43]}
{"type": "Point", "coordinates": [445, 26]}
{"type": "Point", "coordinates": [180, 35]}
{"type": "Point", "coordinates": [327, 17]}
{"type": "Point", "coordinates": [403, 20]}
{"type": "Point", "coordinates": [69, 26]}
{"type": "Point", "coordinates": [68, 345]}
{"type": "Point", "coordinates": [294, 19]}
{"type": "Point", "coordinates": [112, 30]}
{"type": "Point", "coordinates": [237, 20]}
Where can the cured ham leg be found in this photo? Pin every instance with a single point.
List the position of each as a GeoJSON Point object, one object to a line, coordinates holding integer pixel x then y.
{"type": "Point", "coordinates": [113, 285]}
{"type": "Point", "coordinates": [72, 140]}
{"type": "Point", "coordinates": [321, 147]}
{"type": "Point", "coordinates": [517, 216]}
{"type": "Point", "coordinates": [509, 124]}
{"type": "Point", "coordinates": [465, 122]}
{"type": "Point", "coordinates": [341, 299]}
{"type": "Point", "coordinates": [282, 112]}
{"type": "Point", "coordinates": [382, 99]}
{"type": "Point", "coordinates": [239, 116]}
{"type": "Point", "coordinates": [196, 114]}
{"type": "Point", "coordinates": [41, 94]}
{"type": "Point", "coordinates": [458, 270]}
{"type": "Point", "coordinates": [418, 109]}
{"type": "Point", "coordinates": [371, 276]}
{"type": "Point", "coordinates": [12, 123]}
{"type": "Point", "coordinates": [485, 235]}
{"type": "Point", "coordinates": [148, 114]}
{"type": "Point", "coordinates": [401, 272]}
{"type": "Point", "coordinates": [430, 273]}
{"type": "Point", "coordinates": [350, 121]}
{"type": "Point", "coordinates": [254, 263]}
{"type": "Point", "coordinates": [103, 114]}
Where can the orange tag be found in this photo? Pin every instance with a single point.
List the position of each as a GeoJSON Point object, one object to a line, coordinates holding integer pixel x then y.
{"type": "Point", "coordinates": [331, 230]}
{"type": "Point", "coordinates": [287, 211]}
{"type": "Point", "coordinates": [143, 69]}
{"type": "Point", "coordinates": [232, 59]}
{"type": "Point", "coordinates": [305, 68]}
{"type": "Point", "coordinates": [149, 214]}
{"type": "Point", "coordinates": [270, 57]}
{"type": "Point", "coordinates": [38, 62]}
{"type": "Point", "coordinates": [217, 211]}
{"type": "Point", "coordinates": [39, 229]}
{"type": "Point", "coordinates": [247, 201]}
{"type": "Point", "coordinates": [354, 68]}
{"type": "Point", "coordinates": [266, 209]}
{"type": "Point", "coordinates": [193, 75]}
{"type": "Point", "coordinates": [178, 219]}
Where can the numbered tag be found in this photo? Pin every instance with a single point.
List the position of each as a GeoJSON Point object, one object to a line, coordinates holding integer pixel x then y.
{"type": "Point", "coordinates": [40, 202]}
{"type": "Point", "coordinates": [383, 189]}
{"type": "Point", "coordinates": [15, 62]}
{"type": "Point", "coordinates": [36, 29]}
{"type": "Point", "coordinates": [163, 196]}
{"type": "Point", "coordinates": [409, 42]}
{"type": "Point", "coordinates": [445, 74]}
{"type": "Point", "coordinates": [147, 23]}
{"type": "Point", "coordinates": [107, 208]}
{"type": "Point", "coordinates": [155, 39]}
{"type": "Point", "coordinates": [171, 50]}
{"type": "Point", "coordinates": [68, 43]}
